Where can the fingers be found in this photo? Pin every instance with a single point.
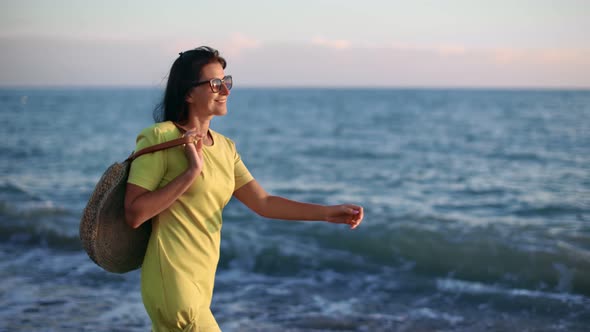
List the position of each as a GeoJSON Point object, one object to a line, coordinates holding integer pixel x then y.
{"type": "Point", "coordinates": [194, 151]}
{"type": "Point", "coordinates": [197, 139]}
{"type": "Point", "coordinates": [349, 214]}
{"type": "Point", "coordinates": [357, 221]}
{"type": "Point", "coordinates": [196, 136]}
{"type": "Point", "coordinates": [190, 133]}
{"type": "Point", "coordinates": [352, 211]}
{"type": "Point", "coordinates": [355, 211]}
{"type": "Point", "coordinates": [199, 146]}
{"type": "Point", "coordinates": [359, 213]}
{"type": "Point", "coordinates": [190, 148]}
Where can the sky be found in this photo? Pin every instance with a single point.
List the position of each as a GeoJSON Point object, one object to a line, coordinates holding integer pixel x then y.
{"type": "Point", "coordinates": [370, 43]}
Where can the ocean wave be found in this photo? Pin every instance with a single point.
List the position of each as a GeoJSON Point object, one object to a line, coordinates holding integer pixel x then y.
{"type": "Point", "coordinates": [34, 210]}
{"type": "Point", "coordinates": [517, 156]}
{"type": "Point", "coordinates": [38, 226]}
{"type": "Point", "coordinates": [347, 153]}
{"type": "Point", "coordinates": [478, 254]}
{"type": "Point", "coordinates": [13, 191]}
{"type": "Point", "coordinates": [550, 210]}
{"type": "Point", "coordinates": [424, 245]}
{"type": "Point", "coordinates": [31, 235]}
{"type": "Point", "coordinates": [470, 287]}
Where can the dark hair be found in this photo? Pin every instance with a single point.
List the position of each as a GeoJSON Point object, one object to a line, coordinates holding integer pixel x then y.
{"type": "Point", "coordinates": [184, 72]}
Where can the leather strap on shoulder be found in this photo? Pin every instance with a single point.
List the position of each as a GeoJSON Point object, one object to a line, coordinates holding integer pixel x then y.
{"type": "Point", "coordinates": [162, 146]}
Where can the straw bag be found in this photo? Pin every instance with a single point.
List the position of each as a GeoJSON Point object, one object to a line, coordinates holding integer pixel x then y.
{"type": "Point", "coordinates": [109, 241]}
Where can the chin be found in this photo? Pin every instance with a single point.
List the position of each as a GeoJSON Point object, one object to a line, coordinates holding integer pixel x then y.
{"type": "Point", "coordinates": [221, 112]}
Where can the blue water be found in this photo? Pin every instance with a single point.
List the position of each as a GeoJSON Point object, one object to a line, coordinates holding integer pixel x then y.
{"type": "Point", "coordinates": [477, 210]}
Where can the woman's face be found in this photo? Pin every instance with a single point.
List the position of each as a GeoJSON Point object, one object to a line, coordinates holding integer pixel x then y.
{"type": "Point", "coordinates": [203, 102]}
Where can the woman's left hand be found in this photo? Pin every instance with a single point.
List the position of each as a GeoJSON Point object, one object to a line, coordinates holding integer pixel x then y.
{"type": "Point", "coordinates": [345, 214]}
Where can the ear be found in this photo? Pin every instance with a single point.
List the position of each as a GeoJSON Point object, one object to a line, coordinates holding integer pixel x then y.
{"type": "Point", "coordinates": [189, 97]}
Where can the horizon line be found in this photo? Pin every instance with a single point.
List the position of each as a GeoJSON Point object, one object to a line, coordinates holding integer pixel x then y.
{"type": "Point", "coordinates": [303, 87]}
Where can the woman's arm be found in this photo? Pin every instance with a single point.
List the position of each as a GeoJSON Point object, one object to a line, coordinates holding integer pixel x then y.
{"type": "Point", "coordinates": [276, 207]}
{"type": "Point", "coordinates": [142, 204]}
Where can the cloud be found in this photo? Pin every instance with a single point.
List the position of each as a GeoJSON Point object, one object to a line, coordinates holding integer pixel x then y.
{"type": "Point", "coordinates": [551, 57]}
{"type": "Point", "coordinates": [62, 62]}
{"type": "Point", "coordinates": [230, 47]}
{"type": "Point", "coordinates": [443, 65]}
{"type": "Point", "coordinates": [507, 55]}
{"type": "Point", "coordinates": [319, 62]}
{"type": "Point", "coordinates": [503, 56]}
{"type": "Point", "coordinates": [451, 49]}
{"type": "Point", "coordinates": [335, 43]}
{"type": "Point", "coordinates": [239, 42]}
{"type": "Point", "coordinates": [442, 49]}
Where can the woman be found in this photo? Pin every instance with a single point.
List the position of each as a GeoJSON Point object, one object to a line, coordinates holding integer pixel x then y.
{"type": "Point", "coordinates": [185, 189]}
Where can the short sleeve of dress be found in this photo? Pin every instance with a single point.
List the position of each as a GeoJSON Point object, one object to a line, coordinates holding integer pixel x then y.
{"type": "Point", "coordinates": [241, 173]}
{"type": "Point", "coordinates": [148, 170]}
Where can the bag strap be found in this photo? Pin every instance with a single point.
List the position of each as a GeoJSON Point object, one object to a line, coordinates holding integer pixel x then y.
{"type": "Point", "coordinates": [162, 146]}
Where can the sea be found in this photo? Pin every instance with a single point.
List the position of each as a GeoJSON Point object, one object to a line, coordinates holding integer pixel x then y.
{"type": "Point", "coordinates": [477, 209]}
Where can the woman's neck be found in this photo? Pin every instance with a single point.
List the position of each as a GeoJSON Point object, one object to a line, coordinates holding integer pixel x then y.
{"type": "Point", "coordinates": [197, 126]}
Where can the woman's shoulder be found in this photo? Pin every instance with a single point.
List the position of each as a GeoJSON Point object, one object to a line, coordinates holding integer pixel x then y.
{"type": "Point", "coordinates": [159, 132]}
{"type": "Point", "coordinates": [160, 129]}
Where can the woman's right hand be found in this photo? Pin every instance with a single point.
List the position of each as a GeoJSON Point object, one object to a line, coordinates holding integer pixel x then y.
{"type": "Point", "coordinates": [194, 153]}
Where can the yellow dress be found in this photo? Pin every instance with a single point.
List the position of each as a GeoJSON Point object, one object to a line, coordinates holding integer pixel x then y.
{"type": "Point", "coordinates": [179, 267]}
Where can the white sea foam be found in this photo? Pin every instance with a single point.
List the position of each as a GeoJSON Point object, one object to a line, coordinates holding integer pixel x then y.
{"type": "Point", "coordinates": [461, 286]}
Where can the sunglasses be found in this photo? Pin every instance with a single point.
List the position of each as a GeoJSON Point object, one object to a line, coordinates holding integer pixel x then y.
{"type": "Point", "coordinates": [216, 83]}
